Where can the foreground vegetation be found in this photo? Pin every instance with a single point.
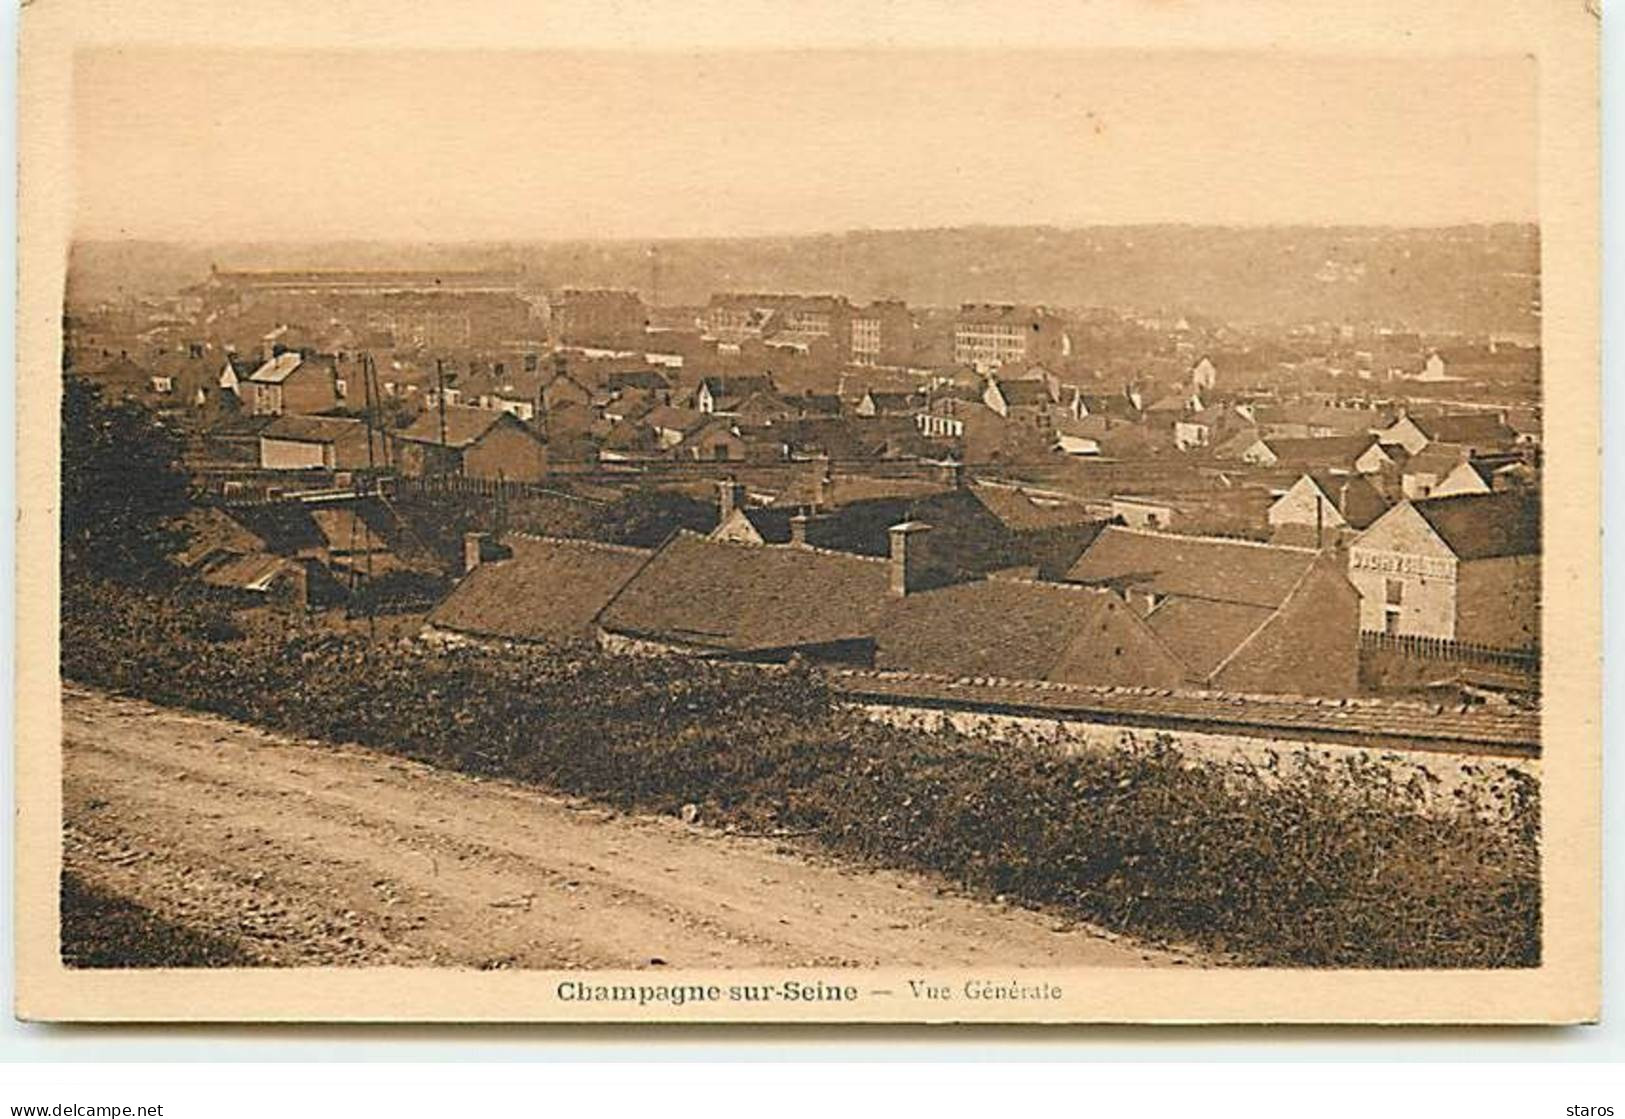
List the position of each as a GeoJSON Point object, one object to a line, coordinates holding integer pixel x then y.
{"type": "Point", "coordinates": [1320, 864]}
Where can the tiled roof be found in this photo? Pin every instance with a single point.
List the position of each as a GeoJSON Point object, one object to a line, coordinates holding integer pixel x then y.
{"type": "Point", "coordinates": [1436, 458]}
{"type": "Point", "coordinates": [1477, 428]}
{"type": "Point", "coordinates": [1010, 627]}
{"type": "Point", "coordinates": [1330, 450]}
{"type": "Point", "coordinates": [674, 419]}
{"type": "Point", "coordinates": [741, 597]}
{"type": "Point", "coordinates": [1356, 498]}
{"type": "Point", "coordinates": [548, 590]}
{"type": "Point", "coordinates": [464, 425]}
{"type": "Point", "coordinates": [1202, 633]}
{"type": "Point", "coordinates": [1485, 525]}
{"type": "Point", "coordinates": [312, 429]}
{"type": "Point", "coordinates": [1234, 571]}
{"type": "Point", "coordinates": [1023, 510]}
{"type": "Point", "coordinates": [1025, 394]}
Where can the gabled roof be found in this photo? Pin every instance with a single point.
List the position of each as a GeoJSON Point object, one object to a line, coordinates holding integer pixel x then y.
{"type": "Point", "coordinates": [737, 385]}
{"type": "Point", "coordinates": [1024, 393]}
{"type": "Point", "coordinates": [675, 419]}
{"type": "Point", "coordinates": [1218, 570]}
{"type": "Point", "coordinates": [995, 627]}
{"type": "Point", "coordinates": [1328, 450]}
{"type": "Point", "coordinates": [744, 598]}
{"type": "Point", "coordinates": [1202, 633]}
{"type": "Point", "coordinates": [313, 429]}
{"type": "Point", "coordinates": [1485, 525]}
{"type": "Point", "coordinates": [549, 589]}
{"type": "Point", "coordinates": [649, 379]}
{"type": "Point", "coordinates": [1359, 502]}
{"type": "Point", "coordinates": [1238, 444]}
{"type": "Point", "coordinates": [464, 426]}
{"type": "Point", "coordinates": [885, 399]}
{"type": "Point", "coordinates": [1436, 458]}
{"type": "Point", "coordinates": [1022, 510]}
{"type": "Point", "coordinates": [1173, 402]}
{"type": "Point", "coordinates": [1476, 428]}
{"type": "Point", "coordinates": [278, 369]}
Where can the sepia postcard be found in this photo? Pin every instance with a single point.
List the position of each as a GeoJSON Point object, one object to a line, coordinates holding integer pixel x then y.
{"type": "Point", "coordinates": [707, 512]}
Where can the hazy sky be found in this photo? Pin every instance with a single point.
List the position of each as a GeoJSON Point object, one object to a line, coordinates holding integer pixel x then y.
{"type": "Point", "coordinates": [252, 145]}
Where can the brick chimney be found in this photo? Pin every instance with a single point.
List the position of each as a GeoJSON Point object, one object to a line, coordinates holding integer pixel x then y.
{"type": "Point", "coordinates": [951, 473]}
{"type": "Point", "coordinates": [730, 496]}
{"type": "Point", "coordinates": [907, 557]}
{"type": "Point", "coordinates": [473, 549]}
{"type": "Point", "coordinates": [798, 530]}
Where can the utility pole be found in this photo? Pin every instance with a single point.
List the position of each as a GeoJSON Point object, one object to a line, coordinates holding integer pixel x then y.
{"type": "Point", "coordinates": [366, 389]}
{"type": "Point", "coordinates": [440, 396]}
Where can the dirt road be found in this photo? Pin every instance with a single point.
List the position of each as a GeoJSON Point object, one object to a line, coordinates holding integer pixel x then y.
{"type": "Point", "coordinates": [311, 854]}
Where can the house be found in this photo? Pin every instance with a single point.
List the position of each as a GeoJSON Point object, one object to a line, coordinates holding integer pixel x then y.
{"type": "Point", "coordinates": [1321, 508]}
{"type": "Point", "coordinates": [471, 442]}
{"type": "Point", "coordinates": [1360, 454]}
{"type": "Point", "coordinates": [878, 403]}
{"type": "Point", "coordinates": [726, 600]}
{"type": "Point", "coordinates": [715, 440]}
{"type": "Point", "coordinates": [1469, 475]}
{"type": "Point", "coordinates": [651, 381]}
{"type": "Point", "coordinates": [969, 538]}
{"type": "Point", "coordinates": [735, 601]}
{"type": "Point", "coordinates": [723, 394]}
{"type": "Point", "coordinates": [1480, 432]}
{"type": "Point", "coordinates": [291, 383]}
{"type": "Point", "coordinates": [673, 425]}
{"type": "Point", "coordinates": [1463, 568]}
{"type": "Point", "coordinates": [1424, 471]}
{"type": "Point", "coordinates": [1240, 616]}
{"type": "Point", "coordinates": [564, 389]}
{"type": "Point", "coordinates": [1316, 421]}
{"type": "Point", "coordinates": [1026, 403]}
{"type": "Point", "coordinates": [319, 443]}
{"type": "Point", "coordinates": [1179, 402]}
{"type": "Point", "coordinates": [1143, 512]}
{"type": "Point", "coordinates": [1524, 423]}
{"type": "Point", "coordinates": [223, 553]}
{"type": "Point", "coordinates": [1204, 377]}
{"type": "Point", "coordinates": [764, 409]}
{"type": "Point", "coordinates": [543, 590]}
{"type": "Point", "coordinates": [1081, 437]}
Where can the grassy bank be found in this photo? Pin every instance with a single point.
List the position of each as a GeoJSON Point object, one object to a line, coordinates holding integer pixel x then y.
{"type": "Point", "coordinates": [1329, 863]}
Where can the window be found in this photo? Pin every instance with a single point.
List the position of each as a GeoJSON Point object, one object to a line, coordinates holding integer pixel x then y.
{"type": "Point", "coordinates": [1390, 620]}
{"type": "Point", "coordinates": [1395, 591]}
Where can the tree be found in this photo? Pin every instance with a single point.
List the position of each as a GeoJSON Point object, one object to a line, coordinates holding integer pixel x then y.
{"type": "Point", "coordinates": [123, 489]}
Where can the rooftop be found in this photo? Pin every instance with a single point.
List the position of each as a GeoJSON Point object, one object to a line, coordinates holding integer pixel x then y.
{"type": "Point", "coordinates": [550, 589]}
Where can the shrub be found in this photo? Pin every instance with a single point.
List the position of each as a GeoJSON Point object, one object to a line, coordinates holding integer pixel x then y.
{"type": "Point", "coordinates": [1347, 863]}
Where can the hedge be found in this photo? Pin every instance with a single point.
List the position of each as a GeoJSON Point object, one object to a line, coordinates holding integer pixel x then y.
{"type": "Point", "coordinates": [1322, 863]}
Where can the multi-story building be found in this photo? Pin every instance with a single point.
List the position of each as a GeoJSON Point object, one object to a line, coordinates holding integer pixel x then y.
{"type": "Point", "coordinates": [602, 316]}
{"type": "Point", "coordinates": [433, 309]}
{"type": "Point", "coordinates": [989, 335]}
{"type": "Point", "coordinates": [882, 333]}
{"type": "Point", "coordinates": [799, 320]}
{"type": "Point", "coordinates": [1463, 568]}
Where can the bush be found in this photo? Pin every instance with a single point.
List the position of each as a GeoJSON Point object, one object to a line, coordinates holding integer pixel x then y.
{"type": "Point", "coordinates": [1322, 864]}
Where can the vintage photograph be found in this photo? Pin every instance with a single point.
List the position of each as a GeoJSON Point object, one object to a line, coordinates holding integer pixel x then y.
{"type": "Point", "coordinates": [802, 515]}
